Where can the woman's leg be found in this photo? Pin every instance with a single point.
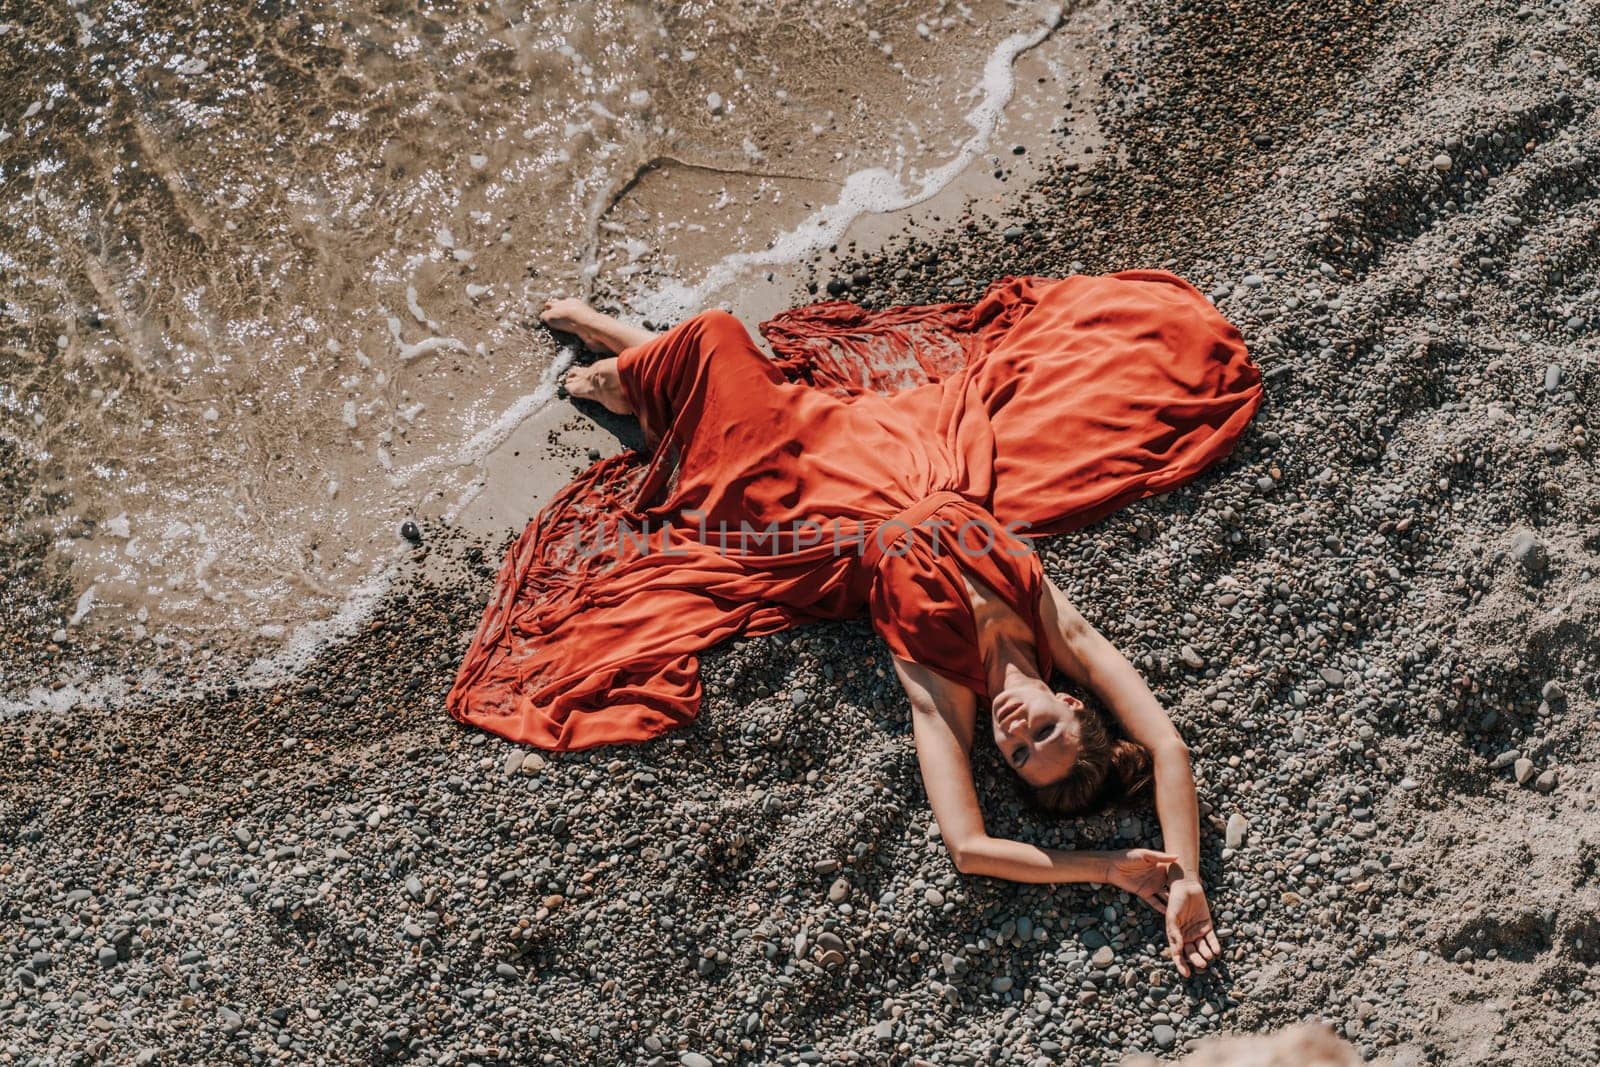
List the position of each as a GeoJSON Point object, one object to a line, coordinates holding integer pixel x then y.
{"type": "Point", "coordinates": [595, 329]}
{"type": "Point", "coordinates": [598, 381]}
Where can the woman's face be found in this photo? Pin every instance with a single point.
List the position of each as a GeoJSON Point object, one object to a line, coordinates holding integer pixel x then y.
{"type": "Point", "coordinates": [1037, 733]}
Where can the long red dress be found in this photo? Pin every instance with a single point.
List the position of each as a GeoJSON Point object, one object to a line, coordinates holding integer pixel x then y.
{"type": "Point", "coordinates": [878, 455]}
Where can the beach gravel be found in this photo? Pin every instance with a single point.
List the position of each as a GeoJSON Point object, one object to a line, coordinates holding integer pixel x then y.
{"type": "Point", "coordinates": [1356, 621]}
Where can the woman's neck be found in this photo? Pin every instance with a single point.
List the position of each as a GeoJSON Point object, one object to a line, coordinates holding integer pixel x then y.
{"type": "Point", "coordinates": [1009, 664]}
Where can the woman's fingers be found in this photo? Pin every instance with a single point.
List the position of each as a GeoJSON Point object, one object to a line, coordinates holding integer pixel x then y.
{"type": "Point", "coordinates": [1197, 960]}
{"type": "Point", "coordinates": [1212, 943]}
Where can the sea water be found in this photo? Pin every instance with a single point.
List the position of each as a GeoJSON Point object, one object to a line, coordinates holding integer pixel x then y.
{"type": "Point", "coordinates": [271, 273]}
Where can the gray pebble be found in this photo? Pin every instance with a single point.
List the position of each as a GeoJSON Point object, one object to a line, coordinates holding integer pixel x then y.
{"type": "Point", "coordinates": [1529, 552]}
{"type": "Point", "coordinates": [1523, 769]}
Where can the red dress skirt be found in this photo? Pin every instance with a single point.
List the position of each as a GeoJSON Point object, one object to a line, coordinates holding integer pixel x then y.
{"type": "Point", "coordinates": [876, 458]}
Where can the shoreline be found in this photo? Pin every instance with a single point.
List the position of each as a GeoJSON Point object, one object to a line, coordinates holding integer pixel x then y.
{"type": "Point", "coordinates": [1374, 623]}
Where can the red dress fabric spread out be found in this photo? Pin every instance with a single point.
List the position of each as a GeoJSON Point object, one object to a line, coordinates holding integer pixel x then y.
{"type": "Point", "coordinates": [876, 457]}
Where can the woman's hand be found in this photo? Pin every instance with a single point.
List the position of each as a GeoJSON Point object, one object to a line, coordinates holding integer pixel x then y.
{"type": "Point", "coordinates": [1142, 872]}
{"type": "Point", "coordinates": [1191, 941]}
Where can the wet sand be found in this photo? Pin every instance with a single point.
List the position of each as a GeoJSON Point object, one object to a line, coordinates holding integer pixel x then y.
{"type": "Point", "coordinates": [1375, 625]}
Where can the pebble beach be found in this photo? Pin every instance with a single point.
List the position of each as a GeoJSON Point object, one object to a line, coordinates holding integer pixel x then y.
{"type": "Point", "coordinates": [1376, 624]}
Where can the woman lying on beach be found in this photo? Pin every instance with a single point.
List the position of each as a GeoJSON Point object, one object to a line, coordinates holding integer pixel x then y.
{"type": "Point", "coordinates": [889, 462]}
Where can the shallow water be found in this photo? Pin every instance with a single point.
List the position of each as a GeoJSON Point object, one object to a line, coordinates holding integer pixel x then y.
{"type": "Point", "coordinates": [271, 281]}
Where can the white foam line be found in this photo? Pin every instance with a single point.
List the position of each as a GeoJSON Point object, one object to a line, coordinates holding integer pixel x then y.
{"type": "Point", "coordinates": [869, 191]}
{"type": "Point", "coordinates": [491, 437]}
{"type": "Point", "coordinates": [103, 692]}
{"type": "Point", "coordinates": [310, 638]}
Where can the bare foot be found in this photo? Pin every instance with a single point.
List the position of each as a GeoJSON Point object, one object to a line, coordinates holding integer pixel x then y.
{"type": "Point", "coordinates": [599, 382]}
{"type": "Point", "coordinates": [571, 315]}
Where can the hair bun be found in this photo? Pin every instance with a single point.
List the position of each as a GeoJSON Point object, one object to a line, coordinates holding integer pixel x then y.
{"type": "Point", "coordinates": [1133, 764]}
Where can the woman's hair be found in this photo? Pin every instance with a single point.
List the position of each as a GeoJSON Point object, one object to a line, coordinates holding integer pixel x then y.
{"type": "Point", "coordinates": [1110, 770]}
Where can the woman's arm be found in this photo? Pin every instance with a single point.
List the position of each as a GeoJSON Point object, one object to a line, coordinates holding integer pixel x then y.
{"type": "Point", "coordinates": [1082, 654]}
{"type": "Point", "coordinates": [943, 717]}
{"type": "Point", "coordinates": [1085, 656]}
